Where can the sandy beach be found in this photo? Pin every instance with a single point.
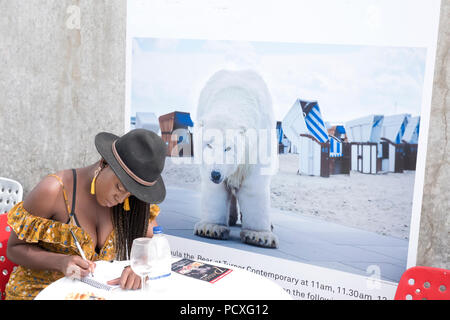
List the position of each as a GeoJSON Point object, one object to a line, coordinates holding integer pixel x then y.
{"type": "Point", "coordinates": [379, 203]}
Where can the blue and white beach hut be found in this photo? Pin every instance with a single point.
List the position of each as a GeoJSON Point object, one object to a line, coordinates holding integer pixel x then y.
{"type": "Point", "coordinates": [364, 135]}
{"type": "Point", "coordinates": [176, 134]}
{"type": "Point", "coordinates": [411, 141]}
{"type": "Point", "coordinates": [340, 132]}
{"type": "Point", "coordinates": [391, 145]}
{"type": "Point", "coordinates": [335, 147]}
{"type": "Point", "coordinates": [284, 144]}
{"type": "Point", "coordinates": [412, 131]}
{"type": "Point", "coordinates": [304, 127]}
{"type": "Point", "coordinates": [340, 150]}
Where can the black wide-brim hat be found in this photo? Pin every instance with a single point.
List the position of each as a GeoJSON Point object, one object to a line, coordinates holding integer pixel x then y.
{"type": "Point", "coordinates": [137, 158]}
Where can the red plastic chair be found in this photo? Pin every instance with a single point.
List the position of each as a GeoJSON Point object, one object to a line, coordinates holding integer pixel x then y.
{"type": "Point", "coordinates": [6, 267]}
{"type": "Point", "coordinates": [424, 283]}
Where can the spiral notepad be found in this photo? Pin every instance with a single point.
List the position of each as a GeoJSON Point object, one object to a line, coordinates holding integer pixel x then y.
{"type": "Point", "coordinates": [96, 284]}
{"type": "Point", "coordinates": [105, 271]}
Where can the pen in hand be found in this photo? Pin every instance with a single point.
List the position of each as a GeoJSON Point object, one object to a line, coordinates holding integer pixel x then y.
{"type": "Point", "coordinates": [80, 249]}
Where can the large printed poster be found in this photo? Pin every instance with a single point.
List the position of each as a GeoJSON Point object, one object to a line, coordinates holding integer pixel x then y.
{"type": "Point", "coordinates": [296, 134]}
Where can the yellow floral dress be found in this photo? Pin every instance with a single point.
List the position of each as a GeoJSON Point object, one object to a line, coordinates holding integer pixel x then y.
{"type": "Point", "coordinates": [54, 236]}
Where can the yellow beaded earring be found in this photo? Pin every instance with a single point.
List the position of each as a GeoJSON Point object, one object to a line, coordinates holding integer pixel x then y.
{"type": "Point", "coordinates": [126, 205]}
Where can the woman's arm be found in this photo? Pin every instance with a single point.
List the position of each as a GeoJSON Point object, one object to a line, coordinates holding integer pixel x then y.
{"type": "Point", "coordinates": [42, 202]}
{"type": "Point", "coordinates": [128, 279]}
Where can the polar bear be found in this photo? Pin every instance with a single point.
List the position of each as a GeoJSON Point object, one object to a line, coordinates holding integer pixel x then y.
{"type": "Point", "coordinates": [238, 147]}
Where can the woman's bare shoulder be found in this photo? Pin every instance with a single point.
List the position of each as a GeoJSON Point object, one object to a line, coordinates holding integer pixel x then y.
{"type": "Point", "coordinates": [45, 198]}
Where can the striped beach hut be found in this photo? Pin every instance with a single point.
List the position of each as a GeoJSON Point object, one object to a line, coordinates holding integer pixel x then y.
{"type": "Point", "coordinates": [313, 120]}
{"type": "Point", "coordinates": [304, 127]}
{"type": "Point", "coordinates": [340, 150]}
{"type": "Point", "coordinates": [412, 131]}
{"type": "Point", "coordinates": [284, 144]}
{"type": "Point", "coordinates": [340, 156]}
{"type": "Point", "coordinates": [335, 147]}
{"type": "Point", "coordinates": [364, 134]}
{"type": "Point", "coordinates": [176, 134]}
{"type": "Point", "coordinates": [337, 137]}
{"type": "Point", "coordinates": [391, 145]}
{"type": "Point", "coordinates": [411, 141]}
{"type": "Point", "coordinates": [338, 131]}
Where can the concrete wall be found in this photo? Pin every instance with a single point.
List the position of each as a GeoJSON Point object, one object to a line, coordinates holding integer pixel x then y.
{"type": "Point", "coordinates": [62, 80]}
{"type": "Point", "coordinates": [434, 236]}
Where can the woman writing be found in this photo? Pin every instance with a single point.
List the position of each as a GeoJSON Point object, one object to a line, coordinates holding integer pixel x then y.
{"type": "Point", "coordinates": [106, 205]}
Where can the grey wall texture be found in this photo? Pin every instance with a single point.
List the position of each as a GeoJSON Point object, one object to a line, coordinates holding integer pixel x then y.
{"type": "Point", "coordinates": [62, 80]}
{"type": "Point", "coordinates": [434, 236]}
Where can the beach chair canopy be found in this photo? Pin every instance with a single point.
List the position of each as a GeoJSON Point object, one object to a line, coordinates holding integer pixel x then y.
{"type": "Point", "coordinates": [182, 120]}
{"type": "Point", "coordinates": [313, 120]}
{"type": "Point", "coordinates": [338, 131]}
{"type": "Point", "coordinates": [304, 117]}
{"type": "Point", "coordinates": [175, 120]}
{"type": "Point", "coordinates": [412, 131]}
{"type": "Point", "coordinates": [394, 127]}
{"type": "Point", "coordinates": [365, 129]}
{"type": "Point", "coordinates": [279, 132]}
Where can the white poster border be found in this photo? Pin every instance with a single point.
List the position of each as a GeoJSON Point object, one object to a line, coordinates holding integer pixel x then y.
{"type": "Point", "coordinates": [346, 22]}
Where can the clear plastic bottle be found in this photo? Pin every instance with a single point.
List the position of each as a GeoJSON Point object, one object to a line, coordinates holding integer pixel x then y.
{"type": "Point", "coordinates": [161, 261]}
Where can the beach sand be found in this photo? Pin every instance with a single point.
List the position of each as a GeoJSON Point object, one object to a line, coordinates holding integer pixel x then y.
{"type": "Point", "coordinates": [380, 203]}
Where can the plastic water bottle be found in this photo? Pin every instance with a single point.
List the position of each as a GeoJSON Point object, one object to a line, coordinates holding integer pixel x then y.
{"type": "Point", "coordinates": [161, 261]}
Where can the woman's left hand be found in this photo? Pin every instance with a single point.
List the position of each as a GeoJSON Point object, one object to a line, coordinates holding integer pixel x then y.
{"type": "Point", "coordinates": [128, 280]}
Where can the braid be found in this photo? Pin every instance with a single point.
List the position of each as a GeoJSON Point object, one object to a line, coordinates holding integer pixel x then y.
{"type": "Point", "coordinates": [129, 225]}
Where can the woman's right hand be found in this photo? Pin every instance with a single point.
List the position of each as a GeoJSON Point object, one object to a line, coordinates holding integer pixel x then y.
{"type": "Point", "coordinates": [76, 267]}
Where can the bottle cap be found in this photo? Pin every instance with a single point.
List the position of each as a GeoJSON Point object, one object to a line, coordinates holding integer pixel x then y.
{"type": "Point", "coordinates": [157, 230]}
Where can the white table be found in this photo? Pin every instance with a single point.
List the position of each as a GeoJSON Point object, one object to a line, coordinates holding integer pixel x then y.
{"type": "Point", "coordinates": [238, 285]}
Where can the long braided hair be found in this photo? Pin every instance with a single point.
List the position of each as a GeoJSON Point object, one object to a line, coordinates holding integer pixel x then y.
{"type": "Point", "coordinates": [128, 225]}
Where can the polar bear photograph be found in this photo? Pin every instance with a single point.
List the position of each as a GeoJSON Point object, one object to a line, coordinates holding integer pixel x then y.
{"type": "Point", "coordinates": [212, 101]}
{"type": "Point", "coordinates": [236, 103]}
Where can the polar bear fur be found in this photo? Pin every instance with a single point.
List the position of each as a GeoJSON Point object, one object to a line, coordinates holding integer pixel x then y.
{"type": "Point", "coordinates": [237, 102]}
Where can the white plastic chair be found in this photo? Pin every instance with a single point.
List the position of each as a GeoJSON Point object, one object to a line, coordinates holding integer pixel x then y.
{"type": "Point", "coordinates": [11, 192]}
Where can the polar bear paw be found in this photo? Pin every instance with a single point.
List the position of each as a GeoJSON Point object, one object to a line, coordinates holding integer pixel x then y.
{"type": "Point", "coordinates": [211, 230]}
{"type": "Point", "coordinates": [259, 238]}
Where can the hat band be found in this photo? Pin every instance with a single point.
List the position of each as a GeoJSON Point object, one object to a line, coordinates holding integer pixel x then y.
{"type": "Point", "coordinates": [127, 170]}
